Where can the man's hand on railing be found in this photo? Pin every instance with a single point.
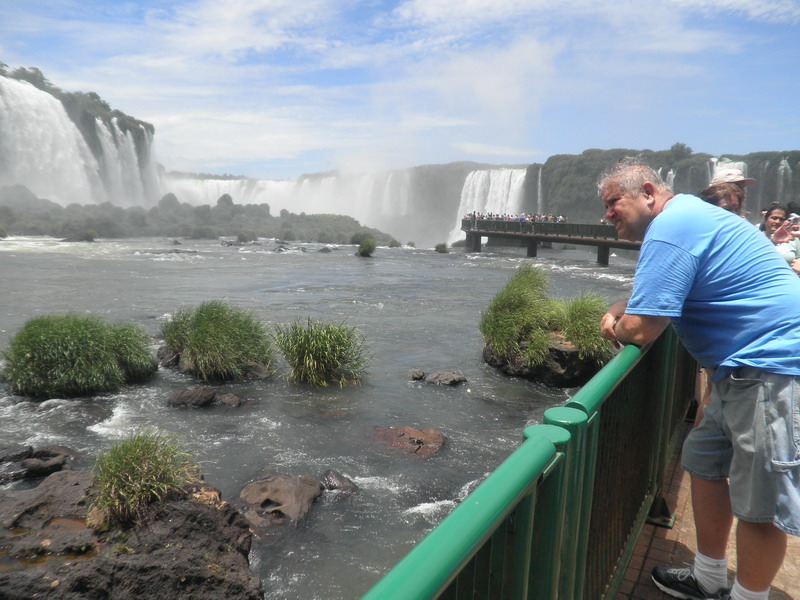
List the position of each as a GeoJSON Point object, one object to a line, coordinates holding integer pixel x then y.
{"type": "Point", "coordinates": [609, 321]}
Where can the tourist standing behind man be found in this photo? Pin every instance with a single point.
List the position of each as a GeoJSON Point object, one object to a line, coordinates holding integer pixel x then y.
{"type": "Point", "coordinates": [733, 301]}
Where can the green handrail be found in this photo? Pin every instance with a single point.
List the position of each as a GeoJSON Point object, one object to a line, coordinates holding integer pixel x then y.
{"type": "Point", "coordinates": [436, 560]}
{"type": "Point", "coordinates": [537, 527]}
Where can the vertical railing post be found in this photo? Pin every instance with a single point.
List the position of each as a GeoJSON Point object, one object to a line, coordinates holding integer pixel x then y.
{"type": "Point", "coordinates": [547, 539]}
{"type": "Point", "coordinates": [578, 502]}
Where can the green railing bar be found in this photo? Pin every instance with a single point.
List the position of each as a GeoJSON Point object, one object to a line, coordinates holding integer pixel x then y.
{"type": "Point", "coordinates": [430, 566]}
{"type": "Point", "coordinates": [591, 396]}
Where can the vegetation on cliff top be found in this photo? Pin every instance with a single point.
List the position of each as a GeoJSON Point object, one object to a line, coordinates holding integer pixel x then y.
{"type": "Point", "coordinates": [72, 355]}
{"type": "Point", "coordinates": [521, 321]}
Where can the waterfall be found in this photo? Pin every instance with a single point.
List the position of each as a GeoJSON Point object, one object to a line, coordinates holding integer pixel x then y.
{"type": "Point", "coordinates": [496, 191]}
{"type": "Point", "coordinates": [278, 194]}
{"type": "Point", "coordinates": [405, 194]}
{"type": "Point", "coordinates": [539, 195]}
{"type": "Point", "coordinates": [783, 192]}
{"type": "Point", "coordinates": [44, 150]}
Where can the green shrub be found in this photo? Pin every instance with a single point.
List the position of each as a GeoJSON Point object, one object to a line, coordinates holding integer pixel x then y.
{"type": "Point", "coordinates": [442, 248]}
{"type": "Point", "coordinates": [359, 237]}
{"type": "Point", "coordinates": [218, 342]}
{"type": "Point", "coordinates": [146, 468]}
{"type": "Point", "coordinates": [3, 232]}
{"type": "Point", "coordinates": [581, 325]}
{"type": "Point", "coordinates": [245, 237]}
{"type": "Point", "coordinates": [76, 355]}
{"type": "Point", "coordinates": [393, 243]}
{"type": "Point", "coordinates": [367, 247]}
{"type": "Point", "coordinates": [521, 321]}
{"type": "Point", "coordinates": [322, 353]}
{"type": "Point", "coordinates": [203, 232]}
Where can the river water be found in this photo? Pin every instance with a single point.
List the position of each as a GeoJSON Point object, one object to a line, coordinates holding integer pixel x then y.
{"type": "Point", "coordinates": [416, 308]}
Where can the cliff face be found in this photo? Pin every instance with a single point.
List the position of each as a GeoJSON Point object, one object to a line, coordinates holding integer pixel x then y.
{"type": "Point", "coordinates": [566, 184]}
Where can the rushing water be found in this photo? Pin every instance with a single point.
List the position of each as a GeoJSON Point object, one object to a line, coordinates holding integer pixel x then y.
{"type": "Point", "coordinates": [416, 308]}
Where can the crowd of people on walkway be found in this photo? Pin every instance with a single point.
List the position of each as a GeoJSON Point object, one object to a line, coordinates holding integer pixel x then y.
{"type": "Point", "coordinates": [522, 217]}
{"type": "Point", "coordinates": [734, 303]}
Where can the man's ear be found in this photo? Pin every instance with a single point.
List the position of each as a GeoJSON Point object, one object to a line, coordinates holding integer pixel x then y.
{"type": "Point", "coordinates": [649, 191]}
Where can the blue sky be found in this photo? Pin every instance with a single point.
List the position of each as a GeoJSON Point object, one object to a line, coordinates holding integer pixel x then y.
{"type": "Point", "coordinates": [276, 88]}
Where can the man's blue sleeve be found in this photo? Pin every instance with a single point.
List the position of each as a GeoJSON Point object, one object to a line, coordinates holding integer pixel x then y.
{"type": "Point", "coordinates": [664, 276]}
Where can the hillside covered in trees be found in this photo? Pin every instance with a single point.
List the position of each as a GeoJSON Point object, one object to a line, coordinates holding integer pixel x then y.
{"type": "Point", "coordinates": [22, 213]}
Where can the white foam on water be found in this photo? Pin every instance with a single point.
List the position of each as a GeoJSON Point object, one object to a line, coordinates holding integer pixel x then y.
{"type": "Point", "coordinates": [431, 510]}
{"type": "Point", "coordinates": [379, 483]}
{"type": "Point", "coordinates": [118, 425]}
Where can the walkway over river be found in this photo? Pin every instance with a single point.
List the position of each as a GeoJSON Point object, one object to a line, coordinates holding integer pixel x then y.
{"type": "Point", "coordinates": [533, 233]}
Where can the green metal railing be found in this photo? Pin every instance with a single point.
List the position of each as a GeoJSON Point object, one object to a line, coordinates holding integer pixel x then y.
{"type": "Point", "coordinates": [559, 518]}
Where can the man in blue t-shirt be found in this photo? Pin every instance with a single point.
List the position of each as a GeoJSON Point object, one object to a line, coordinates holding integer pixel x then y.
{"type": "Point", "coordinates": [734, 303]}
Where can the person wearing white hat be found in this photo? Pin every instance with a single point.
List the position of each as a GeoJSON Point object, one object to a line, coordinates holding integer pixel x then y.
{"type": "Point", "coordinates": [731, 176]}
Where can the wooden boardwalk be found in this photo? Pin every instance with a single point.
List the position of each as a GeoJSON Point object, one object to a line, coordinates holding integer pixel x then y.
{"type": "Point", "coordinates": [532, 234]}
{"type": "Point", "coordinates": [676, 546]}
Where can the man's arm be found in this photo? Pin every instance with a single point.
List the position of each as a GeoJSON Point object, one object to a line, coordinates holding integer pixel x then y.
{"type": "Point", "coordinates": [639, 330]}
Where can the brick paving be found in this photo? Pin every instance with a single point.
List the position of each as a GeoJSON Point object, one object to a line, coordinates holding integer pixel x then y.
{"type": "Point", "coordinates": [676, 546]}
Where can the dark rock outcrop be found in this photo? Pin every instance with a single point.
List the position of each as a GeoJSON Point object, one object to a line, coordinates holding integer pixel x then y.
{"type": "Point", "coordinates": [196, 397]}
{"type": "Point", "coordinates": [228, 399]}
{"type": "Point", "coordinates": [194, 548]}
{"type": "Point", "coordinates": [333, 480]}
{"type": "Point", "coordinates": [202, 396]}
{"type": "Point", "coordinates": [24, 462]}
{"type": "Point", "coordinates": [445, 378]}
{"type": "Point", "coordinates": [419, 442]}
{"type": "Point", "coordinates": [563, 368]}
{"type": "Point", "coordinates": [279, 497]}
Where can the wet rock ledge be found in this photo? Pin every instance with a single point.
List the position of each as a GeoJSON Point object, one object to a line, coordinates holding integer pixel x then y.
{"type": "Point", "coordinates": [194, 548]}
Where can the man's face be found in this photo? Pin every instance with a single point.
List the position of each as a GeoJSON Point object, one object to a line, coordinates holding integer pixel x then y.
{"type": "Point", "coordinates": [629, 213]}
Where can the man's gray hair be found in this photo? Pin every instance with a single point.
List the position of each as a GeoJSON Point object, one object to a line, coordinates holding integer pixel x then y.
{"type": "Point", "coordinates": [630, 174]}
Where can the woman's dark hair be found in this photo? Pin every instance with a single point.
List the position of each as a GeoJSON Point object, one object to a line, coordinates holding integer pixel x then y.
{"type": "Point", "coordinates": [725, 195]}
{"type": "Point", "coordinates": [773, 207]}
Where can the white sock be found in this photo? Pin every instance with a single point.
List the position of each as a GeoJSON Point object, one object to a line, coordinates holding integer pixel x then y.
{"type": "Point", "coordinates": [739, 593]}
{"type": "Point", "coordinates": [711, 573]}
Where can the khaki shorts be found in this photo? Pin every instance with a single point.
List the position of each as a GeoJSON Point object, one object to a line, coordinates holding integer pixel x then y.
{"type": "Point", "coordinates": [761, 411]}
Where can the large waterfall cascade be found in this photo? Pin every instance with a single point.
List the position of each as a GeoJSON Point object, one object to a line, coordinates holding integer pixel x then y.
{"type": "Point", "coordinates": [42, 149]}
{"type": "Point", "coordinates": [498, 191]}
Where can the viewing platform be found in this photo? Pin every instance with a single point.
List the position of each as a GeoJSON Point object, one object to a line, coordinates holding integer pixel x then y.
{"type": "Point", "coordinates": [533, 233]}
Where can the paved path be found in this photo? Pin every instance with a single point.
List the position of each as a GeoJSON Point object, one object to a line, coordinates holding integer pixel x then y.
{"type": "Point", "coordinates": [676, 546]}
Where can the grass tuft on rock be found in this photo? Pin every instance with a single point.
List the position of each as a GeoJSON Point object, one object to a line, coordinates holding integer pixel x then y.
{"type": "Point", "coordinates": [217, 342]}
{"type": "Point", "coordinates": [582, 324]}
{"type": "Point", "coordinates": [521, 321]}
{"type": "Point", "coordinates": [146, 468]}
{"type": "Point", "coordinates": [320, 353]}
{"type": "Point", "coordinates": [76, 355]}
{"type": "Point", "coordinates": [367, 246]}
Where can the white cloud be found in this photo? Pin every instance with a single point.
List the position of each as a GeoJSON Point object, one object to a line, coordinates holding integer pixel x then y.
{"type": "Point", "coordinates": [354, 82]}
